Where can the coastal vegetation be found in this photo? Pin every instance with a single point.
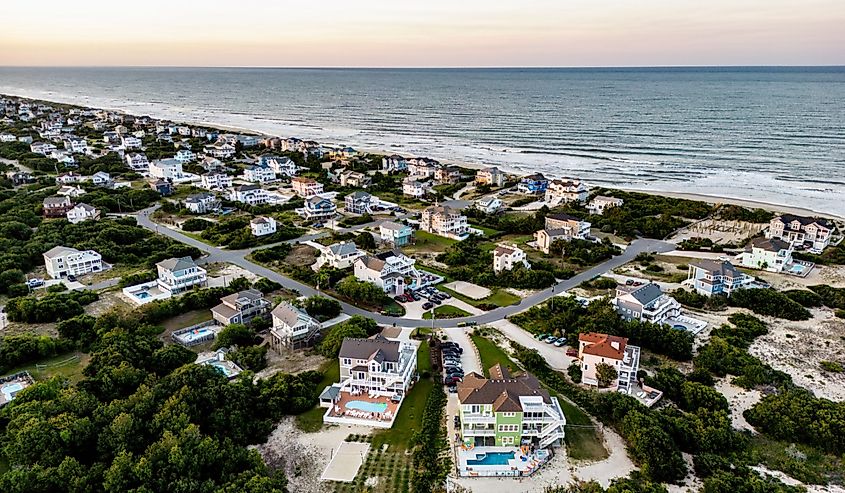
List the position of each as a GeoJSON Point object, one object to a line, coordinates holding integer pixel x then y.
{"type": "Point", "coordinates": [769, 302]}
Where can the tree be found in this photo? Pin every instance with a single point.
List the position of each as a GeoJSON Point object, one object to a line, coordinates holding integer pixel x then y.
{"type": "Point", "coordinates": [605, 374]}
{"type": "Point", "coordinates": [322, 308]}
{"type": "Point", "coordinates": [234, 335]}
{"type": "Point", "coordinates": [355, 327]}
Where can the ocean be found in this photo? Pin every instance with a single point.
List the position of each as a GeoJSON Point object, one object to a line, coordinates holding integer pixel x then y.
{"type": "Point", "coordinates": [768, 134]}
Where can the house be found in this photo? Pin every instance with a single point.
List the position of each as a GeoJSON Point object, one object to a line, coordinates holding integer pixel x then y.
{"type": "Point", "coordinates": [281, 166]}
{"type": "Point", "coordinates": [220, 150]}
{"type": "Point", "coordinates": [8, 138]}
{"type": "Point", "coordinates": [130, 142]}
{"type": "Point", "coordinates": [349, 178]}
{"type": "Point", "coordinates": [771, 254]}
{"type": "Point", "coordinates": [360, 203]}
{"type": "Point", "coordinates": [493, 177]}
{"type": "Point", "coordinates": [647, 303]}
{"type": "Point", "coordinates": [504, 410]}
{"type": "Point", "coordinates": [77, 145]}
{"type": "Point", "coordinates": [240, 307]}
{"type": "Point", "coordinates": [561, 227]}
{"type": "Point", "coordinates": [447, 174]}
{"type": "Point", "coordinates": [101, 179]}
{"type": "Point", "coordinates": [378, 371]}
{"type": "Point", "coordinates": [318, 209]}
{"type": "Point", "coordinates": [306, 187]}
{"type": "Point", "coordinates": [709, 277]}
{"type": "Point", "coordinates": [489, 205]}
{"type": "Point", "coordinates": [422, 168]}
{"type": "Point", "coordinates": [444, 221]}
{"type": "Point", "coordinates": [259, 174]}
{"type": "Point", "coordinates": [177, 275]}
{"type": "Point", "coordinates": [20, 177]}
{"type": "Point", "coordinates": [248, 194]}
{"type": "Point", "coordinates": [600, 203]}
{"type": "Point", "coordinates": [166, 169]}
{"type": "Point", "coordinates": [262, 226]}
{"type": "Point", "coordinates": [395, 234]}
{"type": "Point", "coordinates": [82, 212]}
{"type": "Point", "coordinates": [595, 348]}
{"type": "Point", "coordinates": [535, 184]}
{"type": "Point", "coordinates": [387, 270]}
{"type": "Point", "coordinates": [163, 187]}
{"type": "Point", "coordinates": [212, 164]}
{"type": "Point", "coordinates": [565, 191]}
{"type": "Point", "coordinates": [219, 362]}
{"type": "Point", "coordinates": [394, 163]}
{"type": "Point", "coordinates": [44, 148]}
{"type": "Point", "coordinates": [292, 328]}
{"type": "Point", "coordinates": [215, 181]}
{"type": "Point", "coordinates": [413, 188]}
{"type": "Point", "coordinates": [64, 157]}
{"type": "Point", "coordinates": [53, 207]}
{"type": "Point", "coordinates": [341, 255]}
{"type": "Point", "coordinates": [185, 156]}
{"type": "Point", "coordinates": [201, 203]}
{"type": "Point", "coordinates": [803, 232]}
{"type": "Point", "coordinates": [65, 261]}
{"type": "Point", "coordinates": [137, 161]}
{"type": "Point", "coordinates": [69, 178]}
{"type": "Point", "coordinates": [506, 257]}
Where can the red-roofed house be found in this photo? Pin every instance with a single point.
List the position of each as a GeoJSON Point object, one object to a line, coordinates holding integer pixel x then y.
{"type": "Point", "coordinates": [595, 348]}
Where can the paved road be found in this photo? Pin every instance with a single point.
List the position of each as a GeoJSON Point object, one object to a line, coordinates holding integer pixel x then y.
{"type": "Point", "coordinates": [238, 257]}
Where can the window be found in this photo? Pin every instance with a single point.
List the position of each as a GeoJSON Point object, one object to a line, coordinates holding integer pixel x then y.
{"type": "Point", "coordinates": [508, 428]}
{"type": "Point", "coordinates": [508, 415]}
{"type": "Point", "coordinates": [507, 440]}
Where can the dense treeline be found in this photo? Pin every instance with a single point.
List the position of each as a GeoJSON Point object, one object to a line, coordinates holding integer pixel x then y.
{"type": "Point", "coordinates": [144, 419]}
{"type": "Point", "coordinates": [430, 468]}
{"type": "Point", "coordinates": [49, 308]}
{"type": "Point", "coordinates": [362, 292]}
{"type": "Point", "coordinates": [18, 350]}
{"type": "Point", "coordinates": [355, 327]}
{"type": "Point", "coordinates": [830, 297]}
{"type": "Point", "coordinates": [738, 213]}
{"type": "Point", "coordinates": [564, 316]}
{"type": "Point", "coordinates": [769, 302]}
{"type": "Point", "coordinates": [583, 252]}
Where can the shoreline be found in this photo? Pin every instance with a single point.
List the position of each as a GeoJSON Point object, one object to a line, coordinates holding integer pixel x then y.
{"type": "Point", "coordinates": [696, 196]}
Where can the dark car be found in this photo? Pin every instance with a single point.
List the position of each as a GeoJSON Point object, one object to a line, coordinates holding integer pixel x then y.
{"type": "Point", "coordinates": [452, 380]}
{"type": "Point", "coordinates": [435, 301]}
{"type": "Point", "coordinates": [71, 278]}
{"type": "Point", "coordinates": [445, 295]}
{"type": "Point", "coordinates": [415, 296]}
{"type": "Point", "coordinates": [428, 305]}
{"type": "Point", "coordinates": [398, 299]}
{"type": "Point", "coordinates": [453, 346]}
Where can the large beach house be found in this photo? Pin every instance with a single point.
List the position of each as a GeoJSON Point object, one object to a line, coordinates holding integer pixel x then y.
{"type": "Point", "coordinates": [646, 302]}
{"type": "Point", "coordinates": [812, 233]}
{"type": "Point", "coordinates": [595, 349]}
{"type": "Point", "coordinates": [444, 221]}
{"type": "Point", "coordinates": [240, 307]}
{"type": "Point", "coordinates": [292, 327]}
{"type": "Point", "coordinates": [561, 227]}
{"type": "Point", "coordinates": [63, 261]}
{"type": "Point", "coordinates": [709, 277]}
{"type": "Point", "coordinates": [375, 375]}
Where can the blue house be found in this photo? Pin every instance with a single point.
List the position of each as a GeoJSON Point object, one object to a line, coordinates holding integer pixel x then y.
{"type": "Point", "coordinates": [709, 277]}
{"type": "Point", "coordinates": [533, 184]}
{"type": "Point", "coordinates": [395, 233]}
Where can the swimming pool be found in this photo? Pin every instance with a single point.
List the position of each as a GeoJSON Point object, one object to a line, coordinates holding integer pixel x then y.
{"type": "Point", "coordinates": [11, 389]}
{"type": "Point", "coordinates": [797, 269]}
{"type": "Point", "coordinates": [222, 368]}
{"type": "Point", "coordinates": [141, 295]}
{"type": "Point", "coordinates": [368, 407]}
{"type": "Point", "coordinates": [492, 459]}
{"type": "Point", "coordinates": [196, 334]}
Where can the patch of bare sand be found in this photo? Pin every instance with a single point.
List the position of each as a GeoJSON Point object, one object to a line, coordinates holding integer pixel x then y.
{"type": "Point", "coordinates": [719, 231]}
{"type": "Point", "coordinates": [739, 400]}
{"type": "Point", "coordinates": [304, 456]}
{"type": "Point", "coordinates": [289, 361]}
{"type": "Point", "coordinates": [833, 275]}
{"type": "Point", "coordinates": [798, 348]}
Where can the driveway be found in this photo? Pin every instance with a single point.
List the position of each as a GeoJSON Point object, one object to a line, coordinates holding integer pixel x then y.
{"type": "Point", "coordinates": [555, 356]}
{"type": "Point", "coordinates": [238, 257]}
{"type": "Point", "coordinates": [469, 358]}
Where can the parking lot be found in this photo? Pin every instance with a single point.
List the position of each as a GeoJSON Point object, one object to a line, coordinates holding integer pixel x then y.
{"type": "Point", "coordinates": [428, 298]}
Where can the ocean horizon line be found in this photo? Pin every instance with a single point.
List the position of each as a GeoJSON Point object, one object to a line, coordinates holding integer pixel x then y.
{"type": "Point", "coordinates": [443, 67]}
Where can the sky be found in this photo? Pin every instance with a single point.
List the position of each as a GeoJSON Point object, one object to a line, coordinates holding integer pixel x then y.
{"type": "Point", "coordinates": [422, 33]}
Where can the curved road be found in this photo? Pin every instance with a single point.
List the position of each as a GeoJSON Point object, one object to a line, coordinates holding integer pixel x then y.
{"type": "Point", "coordinates": [238, 257]}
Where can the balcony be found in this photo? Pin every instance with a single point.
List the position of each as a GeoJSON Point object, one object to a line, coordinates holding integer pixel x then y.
{"type": "Point", "coordinates": [478, 419]}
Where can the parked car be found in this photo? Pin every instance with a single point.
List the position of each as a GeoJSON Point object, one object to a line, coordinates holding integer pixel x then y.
{"type": "Point", "coordinates": [398, 299]}
{"type": "Point", "coordinates": [560, 342]}
{"type": "Point", "coordinates": [457, 421]}
{"type": "Point", "coordinates": [34, 283]}
{"type": "Point", "coordinates": [71, 278]}
{"type": "Point", "coordinates": [428, 305]}
{"type": "Point", "coordinates": [435, 301]}
{"type": "Point", "coordinates": [453, 345]}
{"type": "Point", "coordinates": [445, 295]}
{"type": "Point", "coordinates": [415, 296]}
{"type": "Point", "coordinates": [452, 380]}
{"type": "Point", "coordinates": [471, 323]}
{"type": "Point", "coordinates": [550, 340]}
{"type": "Point", "coordinates": [453, 389]}
{"type": "Point", "coordinates": [572, 352]}
{"type": "Point", "coordinates": [541, 337]}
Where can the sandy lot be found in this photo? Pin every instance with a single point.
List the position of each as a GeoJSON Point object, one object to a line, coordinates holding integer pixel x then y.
{"type": "Point", "coordinates": [469, 289]}
{"type": "Point", "coordinates": [739, 399]}
{"type": "Point", "coordinates": [289, 361]}
{"type": "Point", "coordinates": [719, 231]}
{"type": "Point", "coordinates": [797, 348]}
{"type": "Point", "coordinates": [347, 459]}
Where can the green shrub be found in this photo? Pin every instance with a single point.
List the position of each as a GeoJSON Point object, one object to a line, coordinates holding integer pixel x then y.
{"type": "Point", "coordinates": [769, 302]}
{"type": "Point", "coordinates": [832, 366]}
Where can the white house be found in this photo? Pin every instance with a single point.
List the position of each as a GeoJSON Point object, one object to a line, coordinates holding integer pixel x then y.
{"type": "Point", "coordinates": [166, 169]}
{"type": "Point", "coordinates": [82, 212]}
{"type": "Point", "coordinates": [341, 255]}
{"type": "Point", "coordinates": [360, 203]}
{"type": "Point", "coordinates": [69, 178]}
{"type": "Point", "coordinates": [771, 254]}
{"type": "Point", "coordinates": [506, 257]}
{"type": "Point", "coordinates": [415, 189]}
{"type": "Point", "coordinates": [70, 191]}
{"type": "Point", "coordinates": [101, 179]}
{"type": "Point", "coordinates": [444, 221]}
{"type": "Point", "coordinates": [317, 208]}
{"type": "Point", "coordinates": [77, 146]}
{"type": "Point", "coordinates": [646, 302]}
{"type": "Point", "coordinates": [489, 205]}
{"type": "Point", "coordinates": [65, 261]}
{"type": "Point", "coordinates": [220, 150]}
{"type": "Point", "coordinates": [262, 226]}
{"type": "Point", "coordinates": [565, 191]}
{"type": "Point", "coordinates": [137, 161]}
{"type": "Point", "coordinates": [185, 156]}
{"type": "Point", "coordinates": [421, 168]}
{"type": "Point", "coordinates": [259, 174]}
{"type": "Point", "coordinates": [216, 181]}
{"type": "Point", "coordinates": [201, 203]}
{"type": "Point", "coordinates": [248, 194]}
{"type": "Point", "coordinates": [600, 203]}
{"type": "Point", "coordinates": [177, 275]}
{"type": "Point", "coordinates": [44, 148]}
{"type": "Point", "coordinates": [282, 166]}
{"type": "Point", "coordinates": [387, 270]}
{"type": "Point", "coordinates": [805, 232]}
{"type": "Point", "coordinates": [292, 327]}
{"type": "Point", "coordinates": [306, 187]}
{"type": "Point", "coordinates": [130, 142]}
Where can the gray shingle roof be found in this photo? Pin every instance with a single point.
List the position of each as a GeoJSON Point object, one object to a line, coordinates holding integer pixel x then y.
{"type": "Point", "coordinates": [377, 347]}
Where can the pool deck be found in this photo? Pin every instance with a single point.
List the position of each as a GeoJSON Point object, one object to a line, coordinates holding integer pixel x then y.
{"type": "Point", "coordinates": [514, 467]}
{"type": "Point", "coordinates": [12, 384]}
{"type": "Point", "coordinates": [340, 414]}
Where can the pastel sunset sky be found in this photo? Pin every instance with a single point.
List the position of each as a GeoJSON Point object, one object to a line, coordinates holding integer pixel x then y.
{"type": "Point", "coordinates": [376, 33]}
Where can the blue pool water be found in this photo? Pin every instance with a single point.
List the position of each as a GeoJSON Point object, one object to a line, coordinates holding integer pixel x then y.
{"type": "Point", "coordinates": [368, 407]}
{"type": "Point", "coordinates": [492, 459]}
{"type": "Point", "coordinates": [142, 295]}
{"type": "Point", "coordinates": [797, 269]}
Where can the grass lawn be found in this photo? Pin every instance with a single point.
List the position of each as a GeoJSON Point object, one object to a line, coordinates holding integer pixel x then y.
{"type": "Point", "coordinates": [409, 419]}
{"type": "Point", "coordinates": [423, 358]}
{"type": "Point", "coordinates": [806, 464]}
{"type": "Point", "coordinates": [427, 242]}
{"type": "Point", "coordinates": [498, 297]}
{"type": "Point", "coordinates": [186, 319]}
{"type": "Point", "coordinates": [491, 354]}
{"type": "Point", "coordinates": [68, 365]}
{"type": "Point", "coordinates": [487, 231]}
{"type": "Point", "coordinates": [394, 308]}
{"type": "Point", "coordinates": [446, 311]}
{"type": "Point", "coordinates": [312, 420]}
{"type": "Point", "coordinates": [581, 443]}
